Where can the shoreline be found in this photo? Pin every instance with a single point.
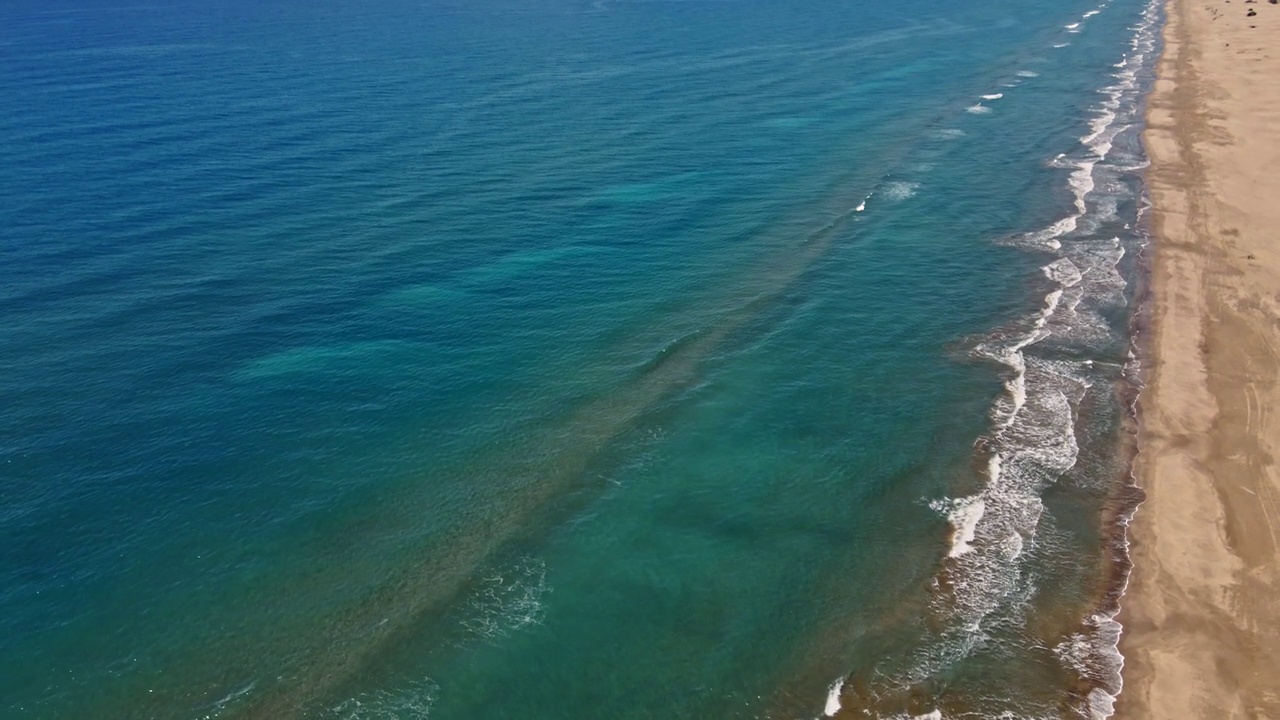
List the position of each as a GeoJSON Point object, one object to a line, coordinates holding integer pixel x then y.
{"type": "Point", "coordinates": [1200, 614]}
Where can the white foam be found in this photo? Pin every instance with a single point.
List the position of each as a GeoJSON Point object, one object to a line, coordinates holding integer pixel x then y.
{"type": "Point", "coordinates": [900, 190]}
{"type": "Point", "coordinates": [1098, 126]}
{"type": "Point", "coordinates": [1073, 26]}
{"type": "Point", "coordinates": [1027, 74]}
{"type": "Point", "coordinates": [1099, 261]}
{"type": "Point", "coordinates": [234, 695]}
{"type": "Point", "coordinates": [1062, 271]}
{"type": "Point", "coordinates": [412, 701]}
{"type": "Point", "coordinates": [993, 96]}
{"type": "Point", "coordinates": [1093, 654]}
{"type": "Point", "coordinates": [964, 514]}
{"type": "Point", "coordinates": [833, 699]}
{"type": "Point", "coordinates": [978, 109]}
{"type": "Point", "coordinates": [1104, 127]}
{"type": "Point", "coordinates": [1032, 443]}
{"type": "Point", "coordinates": [1013, 541]}
{"type": "Point", "coordinates": [1061, 45]}
{"type": "Point", "coordinates": [1102, 704]}
{"type": "Point", "coordinates": [508, 600]}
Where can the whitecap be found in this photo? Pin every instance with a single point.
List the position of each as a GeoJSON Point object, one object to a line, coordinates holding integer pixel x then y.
{"type": "Point", "coordinates": [978, 109]}
{"type": "Point", "coordinates": [993, 96]}
{"type": "Point", "coordinates": [1027, 73]}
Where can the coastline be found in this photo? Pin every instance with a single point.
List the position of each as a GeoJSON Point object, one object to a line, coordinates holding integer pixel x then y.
{"type": "Point", "coordinates": [1201, 637]}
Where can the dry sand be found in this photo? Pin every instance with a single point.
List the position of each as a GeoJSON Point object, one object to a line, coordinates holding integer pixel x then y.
{"type": "Point", "coordinates": [1202, 612]}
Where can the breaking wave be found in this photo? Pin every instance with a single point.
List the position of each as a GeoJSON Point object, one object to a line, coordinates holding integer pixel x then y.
{"type": "Point", "coordinates": [1049, 361]}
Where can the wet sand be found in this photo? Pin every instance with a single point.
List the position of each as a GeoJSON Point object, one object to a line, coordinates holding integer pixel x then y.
{"type": "Point", "coordinates": [1202, 611]}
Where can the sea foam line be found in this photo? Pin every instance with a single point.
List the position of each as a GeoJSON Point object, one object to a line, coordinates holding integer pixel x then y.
{"type": "Point", "coordinates": [1106, 646]}
{"type": "Point", "coordinates": [1032, 440]}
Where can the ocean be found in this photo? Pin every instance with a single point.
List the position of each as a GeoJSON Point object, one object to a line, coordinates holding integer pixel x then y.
{"type": "Point", "coordinates": [567, 358]}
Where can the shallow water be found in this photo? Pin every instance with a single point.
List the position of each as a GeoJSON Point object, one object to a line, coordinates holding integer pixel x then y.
{"type": "Point", "coordinates": [564, 359]}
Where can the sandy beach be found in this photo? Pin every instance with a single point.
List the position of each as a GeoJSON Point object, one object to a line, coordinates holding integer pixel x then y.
{"type": "Point", "coordinates": [1202, 611]}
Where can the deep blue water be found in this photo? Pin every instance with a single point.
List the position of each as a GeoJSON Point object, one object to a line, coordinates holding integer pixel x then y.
{"type": "Point", "coordinates": [564, 359]}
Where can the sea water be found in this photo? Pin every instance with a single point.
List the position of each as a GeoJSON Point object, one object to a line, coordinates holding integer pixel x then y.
{"type": "Point", "coordinates": [566, 358]}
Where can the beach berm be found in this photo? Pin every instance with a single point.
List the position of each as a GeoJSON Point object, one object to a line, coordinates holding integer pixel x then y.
{"type": "Point", "coordinates": [1201, 638]}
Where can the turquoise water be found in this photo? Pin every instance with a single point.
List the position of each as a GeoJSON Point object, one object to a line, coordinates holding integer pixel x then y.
{"type": "Point", "coordinates": [565, 359]}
